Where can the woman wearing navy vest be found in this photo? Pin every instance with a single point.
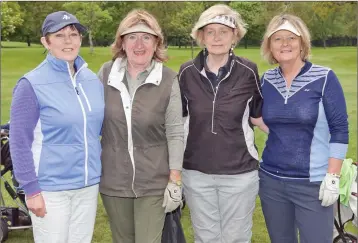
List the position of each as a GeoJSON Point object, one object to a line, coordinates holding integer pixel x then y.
{"type": "Point", "coordinates": [56, 119]}
{"type": "Point", "coordinates": [305, 111]}
{"type": "Point", "coordinates": [220, 94]}
{"type": "Point", "coordinates": [142, 136]}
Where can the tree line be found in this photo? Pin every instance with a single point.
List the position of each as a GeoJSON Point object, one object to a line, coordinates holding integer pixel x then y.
{"type": "Point", "coordinates": [330, 23]}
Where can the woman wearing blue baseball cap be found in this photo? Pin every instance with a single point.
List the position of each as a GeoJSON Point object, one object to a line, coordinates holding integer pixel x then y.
{"type": "Point", "coordinates": [56, 119]}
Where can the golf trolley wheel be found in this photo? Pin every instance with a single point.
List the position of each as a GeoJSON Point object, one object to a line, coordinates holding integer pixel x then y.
{"type": "Point", "coordinates": [349, 238]}
{"type": "Point", "coordinates": [4, 231]}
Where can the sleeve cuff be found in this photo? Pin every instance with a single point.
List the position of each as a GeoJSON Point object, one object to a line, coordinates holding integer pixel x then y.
{"type": "Point", "coordinates": [32, 188]}
{"type": "Point", "coordinates": [175, 168]}
{"type": "Point", "coordinates": [338, 150]}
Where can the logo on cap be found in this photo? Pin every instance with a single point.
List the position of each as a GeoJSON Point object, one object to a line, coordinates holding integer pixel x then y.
{"type": "Point", "coordinates": [65, 17]}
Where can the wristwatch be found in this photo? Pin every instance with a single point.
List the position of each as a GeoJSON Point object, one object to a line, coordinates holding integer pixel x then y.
{"type": "Point", "coordinates": [178, 182]}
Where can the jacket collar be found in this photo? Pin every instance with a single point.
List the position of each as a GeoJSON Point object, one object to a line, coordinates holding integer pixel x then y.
{"type": "Point", "coordinates": [200, 62]}
{"type": "Point", "coordinates": [118, 70]}
{"type": "Point", "coordinates": [63, 66]}
{"type": "Point", "coordinates": [303, 70]}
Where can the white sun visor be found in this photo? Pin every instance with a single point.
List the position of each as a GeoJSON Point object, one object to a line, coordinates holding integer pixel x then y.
{"type": "Point", "coordinates": [286, 26]}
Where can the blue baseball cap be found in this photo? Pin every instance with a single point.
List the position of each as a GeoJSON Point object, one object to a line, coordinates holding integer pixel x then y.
{"type": "Point", "coordinates": [58, 20]}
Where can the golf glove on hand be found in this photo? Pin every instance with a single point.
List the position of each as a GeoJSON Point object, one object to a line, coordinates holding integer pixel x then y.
{"type": "Point", "coordinates": [172, 197]}
{"type": "Point", "coordinates": [329, 190]}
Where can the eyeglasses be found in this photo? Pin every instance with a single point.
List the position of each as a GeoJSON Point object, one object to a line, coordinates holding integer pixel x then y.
{"type": "Point", "coordinates": [63, 37]}
{"type": "Point", "coordinates": [220, 33]}
{"type": "Point", "coordinates": [282, 39]}
{"type": "Point", "coordinates": [146, 39]}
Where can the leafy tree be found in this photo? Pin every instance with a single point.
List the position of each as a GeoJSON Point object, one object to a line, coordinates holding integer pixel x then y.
{"type": "Point", "coordinates": [117, 10]}
{"type": "Point", "coordinates": [34, 13]}
{"type": "Point", "coordinates": [91, 15]}
{"type": "Point", "coordinates": [325, 22]}
{"type": "Point", "coordinates": [334, 21]}
{"type": "Point", "coordinates": [250, 13]}
{"type": "Point", "coordinates": [183, 21]}
{"type": "Point", "coordinates": [348, 18]}
{"type": "Point", "coordinates": [10, 18]}
{"type": "Point", "coordinates": [164, 12]}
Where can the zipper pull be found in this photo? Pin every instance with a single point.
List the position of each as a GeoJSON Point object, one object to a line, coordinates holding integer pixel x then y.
{"type": "Point", "coordinates": [78, 93]}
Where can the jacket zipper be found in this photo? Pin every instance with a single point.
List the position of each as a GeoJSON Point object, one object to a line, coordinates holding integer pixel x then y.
{"type": "Point", "coordinates": [84, 94]}
{"type": "Point", "coordinates": [287, 89]}
{"type": "Point", "coordinates": [73, 79]}
{"type": "Point", "coordinates": [215, 92]}
{"type": "Point", "coordinates": [133, 164]}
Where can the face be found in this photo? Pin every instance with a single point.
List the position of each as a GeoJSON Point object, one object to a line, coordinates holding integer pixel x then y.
{"type": "Point", "coordinates": [139, 48]}
{"type": "Point", "coordinates": [285, 46]}
{"type": "Point", "coordinates": [64, 44]}
{"type": "Point", "coordinates": [218, 38]}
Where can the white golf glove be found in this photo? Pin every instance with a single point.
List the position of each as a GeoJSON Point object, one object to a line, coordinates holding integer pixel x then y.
{"type": "Point", "coordinates": [329, 190]}
{"type": "Point", "coordinates": [172, 197]}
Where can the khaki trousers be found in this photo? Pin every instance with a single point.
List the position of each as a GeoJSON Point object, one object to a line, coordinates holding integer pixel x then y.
{"type": "Point", "coordinates": [135, 220]}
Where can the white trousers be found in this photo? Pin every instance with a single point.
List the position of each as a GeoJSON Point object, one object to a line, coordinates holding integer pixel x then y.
{"type": "Point", "coordinates": [70, 216]}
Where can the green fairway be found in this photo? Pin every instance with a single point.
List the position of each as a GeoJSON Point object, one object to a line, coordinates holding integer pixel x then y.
{"type": "Point", "coordinates": [17, 61]}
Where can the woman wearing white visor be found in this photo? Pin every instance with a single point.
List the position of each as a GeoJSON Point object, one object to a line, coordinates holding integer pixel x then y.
{"type": "Point", "coordinates": [305, 111]}
{"type": "Point", "coordinates": [220, 93]}
{"type": "Point", "coordinates": [142, 135]}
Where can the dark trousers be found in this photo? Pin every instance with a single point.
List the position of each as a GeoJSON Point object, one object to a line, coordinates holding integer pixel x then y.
{"type": "Point", "coordinates": [288, 205]}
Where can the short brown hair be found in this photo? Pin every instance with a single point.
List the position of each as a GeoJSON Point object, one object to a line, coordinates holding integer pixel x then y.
{"type": "Point", "coordinates": [72, 26]}
{"type": "Point", "coordinates": [134, 17]}
{"type": "Point", "coordinates": [298, 24]}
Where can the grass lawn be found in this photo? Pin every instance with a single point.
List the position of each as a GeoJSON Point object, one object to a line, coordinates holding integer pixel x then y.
{"type": "Point", "coordinates": [17, 61]}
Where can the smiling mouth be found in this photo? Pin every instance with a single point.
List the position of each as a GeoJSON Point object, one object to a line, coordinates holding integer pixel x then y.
{"type": "Point", "coordinates": [139, 53]}
{"type": "Point", "coordinates": [67, 49]}
{"type": "Point", "coordinates": [286, 51]}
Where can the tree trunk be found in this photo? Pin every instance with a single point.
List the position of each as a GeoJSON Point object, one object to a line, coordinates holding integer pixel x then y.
{"type": "Point", "coordinates": [90, 41]}
{"type": "Point", "coordinates": [245, 42]}
{"type": "Point", "coordinates": [324, 43]}
{"type": "Point", "coordinates": [28, 40]}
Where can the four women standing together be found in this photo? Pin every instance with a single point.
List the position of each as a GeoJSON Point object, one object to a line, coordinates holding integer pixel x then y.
{"type": "Point", "coordinates": [300, 105]}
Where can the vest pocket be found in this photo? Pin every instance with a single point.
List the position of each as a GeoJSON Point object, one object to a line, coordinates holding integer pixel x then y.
{"type": "Point", "coordinates": [62, 164]}
{"type": "Point", "coordinates": [152, 167]}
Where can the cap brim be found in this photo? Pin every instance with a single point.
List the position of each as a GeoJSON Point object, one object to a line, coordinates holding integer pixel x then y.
{"type": "Point", "coordinates": [58, 27]}
{"type": "Point", "coordinates": [216, 22]}
{"type": "Point", "coordinates": [286, 26]}
{"type": "Point", "coordinates": [139, 28]}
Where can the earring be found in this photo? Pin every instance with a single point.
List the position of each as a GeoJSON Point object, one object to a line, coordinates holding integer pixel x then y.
{"type": "Point", "coordinates": [204, 51]}
{"type": "Point", "coordinates": [231, 50]}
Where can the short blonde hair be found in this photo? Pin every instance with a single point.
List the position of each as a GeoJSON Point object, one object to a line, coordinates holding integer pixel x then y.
{"type": "Point", "coordinates": [298, 24]}
{"type": "Point", "coordinates": [133, 18]}
{"type": "Point", "coordinates": [217, 10]}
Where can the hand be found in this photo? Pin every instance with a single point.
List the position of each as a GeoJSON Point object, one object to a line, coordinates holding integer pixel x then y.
{"type": "Point", "coordinates": [36, 205]}
{"type": "Point", "coordinates": [329, 190]}
{"type": "Point", "coordinates": [172, 197]}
